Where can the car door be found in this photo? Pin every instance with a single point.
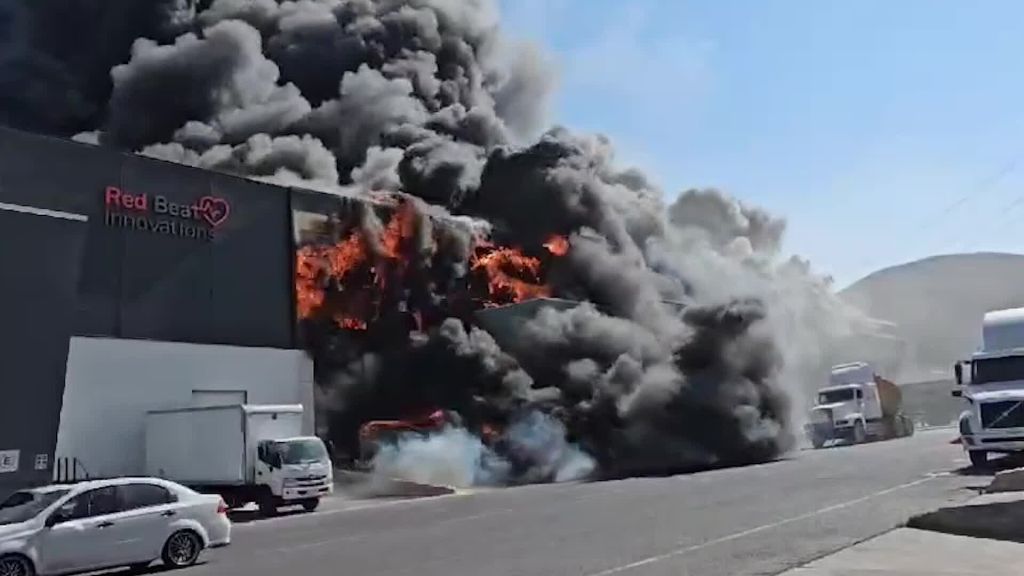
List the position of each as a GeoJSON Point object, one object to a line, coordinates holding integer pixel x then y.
{"type": "Point", "coordinates": [87, 535]}
{"type": "Point", "coordinates": [147, 511]}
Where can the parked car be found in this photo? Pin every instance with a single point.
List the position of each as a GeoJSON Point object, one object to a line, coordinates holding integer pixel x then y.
{"type": "Point", "coordinates": [101, 524]}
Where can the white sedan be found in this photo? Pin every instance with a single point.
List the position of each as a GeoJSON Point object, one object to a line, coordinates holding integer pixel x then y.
{"type": "Point", "coordinates": [103, 524]}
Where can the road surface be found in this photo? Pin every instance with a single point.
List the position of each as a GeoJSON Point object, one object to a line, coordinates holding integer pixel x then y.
{"type": "Point", "coordinates": [754, 520]}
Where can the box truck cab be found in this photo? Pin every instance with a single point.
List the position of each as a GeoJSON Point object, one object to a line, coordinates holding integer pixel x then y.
{"type": "Point", "coordinates": [992, 385]}
{"type": "Point", "coordinates": [245, 453]}
{"type": "Point", "coordinates": [856, 406]}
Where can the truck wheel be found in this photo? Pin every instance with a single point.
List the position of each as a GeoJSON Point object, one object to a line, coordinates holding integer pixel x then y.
{"type": "Point", "coordinates": [859, 435]}
{"type": "Point", "coordinates": [817, 442]}
{"type": "Point", "coordinates": [311, 504]}
{"type": "Point", "coordinates": [979, 458]}
{"type": "Point", "coordinates": [267, 506]}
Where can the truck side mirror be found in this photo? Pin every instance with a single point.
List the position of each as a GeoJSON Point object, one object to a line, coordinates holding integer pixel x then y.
{"type": "Point", "coordinates": [957, 393]}
{"type": "Point", "coordinates": [958, 370]}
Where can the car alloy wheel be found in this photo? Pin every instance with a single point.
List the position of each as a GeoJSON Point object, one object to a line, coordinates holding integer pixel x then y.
{"type": "Point", "coordinates": [15, 566]}
{"type": "Point", "coordinates": [182, 549]}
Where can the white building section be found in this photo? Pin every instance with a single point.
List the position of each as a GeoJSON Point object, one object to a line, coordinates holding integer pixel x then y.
{"type": "Point", "coordinates": [111, 384]}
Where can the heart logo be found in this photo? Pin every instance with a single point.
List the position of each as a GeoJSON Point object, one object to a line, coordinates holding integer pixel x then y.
{"type": "Point", "coordinates": [214, 210]}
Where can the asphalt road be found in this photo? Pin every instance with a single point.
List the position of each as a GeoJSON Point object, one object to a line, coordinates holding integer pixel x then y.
{"type": "Point", "coordinates": [754, 520]}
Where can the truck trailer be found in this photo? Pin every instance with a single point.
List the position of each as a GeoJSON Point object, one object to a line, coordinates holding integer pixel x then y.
{"type": "Point", "coordinates": [222, 419]}
{"type": "Point", "coordinates": [992, 385]}
{"type": "Point", "coordinates": [245, 453]}
{"type": "Point", "coordinates": [858, 405]}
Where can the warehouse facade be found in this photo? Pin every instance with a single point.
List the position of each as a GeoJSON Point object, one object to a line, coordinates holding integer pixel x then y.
{"type": "Point", "coordinates": [101, 249]}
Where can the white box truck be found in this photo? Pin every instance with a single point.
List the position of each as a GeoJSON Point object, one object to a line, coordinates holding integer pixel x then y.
{"type": "Point", "coordinates": [993, 388]}
{"type": "Point", "coordinates": [245, 453]}
{"type": "Point", "coordinates": [857, 405]}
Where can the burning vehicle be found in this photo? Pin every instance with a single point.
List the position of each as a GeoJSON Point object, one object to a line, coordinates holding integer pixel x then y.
{"type": "Point", "coordinates": [375, 433]}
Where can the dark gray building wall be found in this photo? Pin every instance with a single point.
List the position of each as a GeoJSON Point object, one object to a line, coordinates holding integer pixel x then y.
{"type": "Point", "coordinates": [236, 289]}
{"type": "Point", "coordinates": [39, 265]}
{"type": "Point", "coordinates": [59, 280]}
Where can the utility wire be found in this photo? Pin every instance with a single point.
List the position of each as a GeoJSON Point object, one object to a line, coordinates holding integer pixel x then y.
{"type": "Point", "coordinates": [1010, 220]}
{"type": "Point", "coordinates": [984, 187]}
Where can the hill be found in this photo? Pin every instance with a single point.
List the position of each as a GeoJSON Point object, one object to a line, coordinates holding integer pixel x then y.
{"type": "Point", "coordinates": [937, 304]}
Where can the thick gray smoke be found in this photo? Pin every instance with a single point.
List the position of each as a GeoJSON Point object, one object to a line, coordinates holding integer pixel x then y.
{"type": "Point", "coordinates": [696, 337]}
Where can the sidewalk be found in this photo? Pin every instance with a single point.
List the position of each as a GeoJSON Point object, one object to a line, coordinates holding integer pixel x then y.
{"type": "Point", "coordinates": [912, 552]}
{"type": "Point", "coordinates": [981, 537]}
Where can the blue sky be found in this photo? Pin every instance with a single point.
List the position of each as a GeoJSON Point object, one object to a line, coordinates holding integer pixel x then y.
{"type": "Point", "coordinates": [883, 131]}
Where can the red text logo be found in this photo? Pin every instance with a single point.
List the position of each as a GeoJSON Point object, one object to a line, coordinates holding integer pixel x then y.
{"type": "Point", "coordinates": [162, 215]}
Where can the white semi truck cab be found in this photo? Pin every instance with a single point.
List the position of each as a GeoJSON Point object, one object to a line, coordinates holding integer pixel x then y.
{"type": "Point", "coordinates": [993, 388]}
{"type": "Point", "coordinates": [856, 406]}
{"type": "Point", "coordinates": [245, 453]}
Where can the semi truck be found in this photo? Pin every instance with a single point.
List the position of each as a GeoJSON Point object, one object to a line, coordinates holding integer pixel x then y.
{"type": "Point", "coordinates": [858, 405]}
{"type": "Point", "coordinates": [245, 453]}
{"type": "Point", "coordinates": [991, 383]}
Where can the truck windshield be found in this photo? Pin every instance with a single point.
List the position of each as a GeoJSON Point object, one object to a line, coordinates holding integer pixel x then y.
{"type": "Point", "coordinates": [833, 396]}
{"type": "Point", "coordinates": [26, 505]}
{"type": "Point", "coordinates": [998, 370]}
{"type": "Point", "coordinates": [302, 451]}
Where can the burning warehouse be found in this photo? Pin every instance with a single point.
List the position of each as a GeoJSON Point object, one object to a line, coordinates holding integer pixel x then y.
{"type": "Point", "coordinates": [391, 296]}
{"type": "Point", "coordinates": [389, 292]}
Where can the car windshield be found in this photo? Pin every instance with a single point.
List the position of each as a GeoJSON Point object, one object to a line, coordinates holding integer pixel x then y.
{"type": "Point", "coordinates": [301, 451]}
{"type": "Point", "coordinates": [833, 396]}
{"type": "Point", "coordinates": [25, 505]}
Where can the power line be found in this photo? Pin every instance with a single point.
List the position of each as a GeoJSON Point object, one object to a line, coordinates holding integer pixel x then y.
{"type": "Point", "coordinates": [1005, 223]}
{"type": "Point", "coordinates": [985, 186]}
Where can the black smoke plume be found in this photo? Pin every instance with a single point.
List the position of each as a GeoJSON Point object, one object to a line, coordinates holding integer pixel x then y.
{"type": "Point", "coordinates": [694, 337]}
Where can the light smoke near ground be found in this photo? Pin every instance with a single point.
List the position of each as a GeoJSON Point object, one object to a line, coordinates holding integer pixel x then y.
{"type": "Point", "coordinates": [426, 97]}
{"type": "Point", "coordinates": [454, 457]}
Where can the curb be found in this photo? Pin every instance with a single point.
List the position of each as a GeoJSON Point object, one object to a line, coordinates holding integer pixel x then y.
{"type": "Point", "coordinates": [366, 486]}
{"type": "Point", "coordinates": [997, 518]}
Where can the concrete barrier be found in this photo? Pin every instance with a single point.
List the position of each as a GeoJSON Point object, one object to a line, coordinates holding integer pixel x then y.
{"type": "Point", "coordinates": [1007, 481]}
{"type": "Point", "coordinates": [995, 516]}
{"type": "Point", "coordinates": [353, 484]}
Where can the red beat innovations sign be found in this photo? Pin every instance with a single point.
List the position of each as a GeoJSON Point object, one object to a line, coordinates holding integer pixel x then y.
{"type": "Point", "coordinates": [159, 215]}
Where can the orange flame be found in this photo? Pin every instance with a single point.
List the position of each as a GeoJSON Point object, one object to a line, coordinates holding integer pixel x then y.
{"type": "Point", "coordinates": [400, 228]}
{"type": "Point", "coordinates": [309, 295]}
{"type": "Point", "coordinates": [557, 245]}
{"type": "Point", "coordinates": [315, 263]}
{"type": "Point", "coordinates": [349, 323]}
{"type": "Point", "coordinates": [347, 281]}
{"type": "Point", "coordinates": [505, 269]}
{"type": "Point", "coordinates": [345, 256]}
